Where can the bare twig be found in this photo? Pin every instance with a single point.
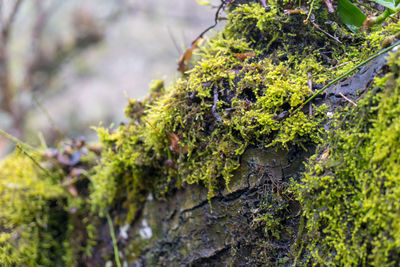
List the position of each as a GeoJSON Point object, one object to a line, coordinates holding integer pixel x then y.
{"type": "Point", "coordinates": [15, 140]}
{"type": "Point", "coordinates": [17, 110]}
{"type": "Point", "coordinates": [48, 116]}
{"type": "Point", "coordinates": [220, 7]}
{"type": "Point", "coordinates": [174, 41]}
{"type": "Point", "coordinates": [23, 147]}
{"type": "Point", "coordinates": [348, 99]}
{"type": "Point", "coordinates": [340, 65]}
{"type": "Point", "coordinates": [29, 156]}
{"type": "Point", "coordinates": [312, 20]}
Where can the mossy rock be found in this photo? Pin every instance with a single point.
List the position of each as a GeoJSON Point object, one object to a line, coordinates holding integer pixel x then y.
{"type": "Point", "coordinates": [218, 156]}
{"type": "Point", "coordinates": [186, 230]}
{"type": "Point", "coordinates": [239, 93]}
{"type": "Point", "coordinates": [350, 191]}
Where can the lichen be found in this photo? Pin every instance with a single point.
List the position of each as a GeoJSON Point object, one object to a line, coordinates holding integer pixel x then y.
{"type": "Point", "coordinates": [350, 191]}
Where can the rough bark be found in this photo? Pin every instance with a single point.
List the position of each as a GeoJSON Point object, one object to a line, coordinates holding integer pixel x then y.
{"type": "Point", "coordinates": [186, 230]}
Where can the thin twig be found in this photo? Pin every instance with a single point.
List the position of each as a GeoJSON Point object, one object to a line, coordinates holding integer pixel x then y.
{"type": "Point", "coordinates": [15, 140]}
{"type": "Point", "coordinates": [23, 147]}
{"type": "Point", "coordinates": [171, 36]}
{"type": "Point", "coordinates": [348, 99]}
{"type": "Point", "coordinates": [29, 156]}
{"type": "Point", "coordinates": [220, 7]}
{"type": "Point", "coordinates": [345, 75]}
{"type": "Point", "coordinates": [340, 65]}
{"type": "Point", "coordinates": [155, 129]}
{"type": "Point", "coordinates": [312, 20]}
{"type": "Point", "coordinates": [114, 240]}
{"type": "Point", "coordinates": [48, 116]}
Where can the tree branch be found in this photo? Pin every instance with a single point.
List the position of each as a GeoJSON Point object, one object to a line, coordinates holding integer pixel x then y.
{"type": "Point", "coordinates": [8, 24]}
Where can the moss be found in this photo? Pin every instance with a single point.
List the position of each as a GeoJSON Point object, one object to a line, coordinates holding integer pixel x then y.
{"type": "Point", "coordinates": [26, 225]}
{"type": "Point", "coordinates": [245, 82]}
{"type": "Point", "coordinates": [43, 221]}
{"type": "Point", "coordinates": [239, 93]}
{"type": "Point", "coordinates": [351, 189]}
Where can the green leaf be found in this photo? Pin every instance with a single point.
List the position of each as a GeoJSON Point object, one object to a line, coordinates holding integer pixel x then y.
{"type": "Point", "coordinates": [393, 5]}
{"type": "Point", "coordinates": [351, 15]}
{"type": "Point", "coordinates": [203, 2]}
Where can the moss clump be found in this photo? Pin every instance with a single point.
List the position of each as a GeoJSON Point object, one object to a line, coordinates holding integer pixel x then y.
{"type": "Point", "coordinates": [269, 30]}
{"type": "Point", "coordinates": [239, 93]}
{"type": "Point", "coordinates": [27, 215]}
{"type": "Point", "coordinates": [350, 193]}
{"type": "Point", "coordinates": [44, 215]}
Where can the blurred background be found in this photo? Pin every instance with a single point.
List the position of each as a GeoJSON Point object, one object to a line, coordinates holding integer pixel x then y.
{"type": "Point", "coordinates": [68, 65]}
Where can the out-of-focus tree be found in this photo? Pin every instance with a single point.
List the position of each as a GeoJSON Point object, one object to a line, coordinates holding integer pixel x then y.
{"type": "Point", "coordinates": [53, 61]}
{"type": "Point", "coordinates": [46, 57]}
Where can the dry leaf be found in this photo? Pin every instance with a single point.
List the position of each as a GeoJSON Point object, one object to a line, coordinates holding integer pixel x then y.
{"type": "Point", "coordinates": [243, 56]}
{"type": "Point", "coordinates": [173, 143]}
{"type": "Point", "coordinates": [325, 154]}
{"type": "Point", "coordinates": [184, 59]}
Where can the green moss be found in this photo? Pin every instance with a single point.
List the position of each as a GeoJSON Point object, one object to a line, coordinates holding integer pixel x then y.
{"type": "Point", "coordinates": [26, 224]}
{"type": "Point", "coordinates": [237, 94]}
{"type": "Point", "coordinates": [41, 222]}
{"type": "Point", "coordinates": [351, 190]}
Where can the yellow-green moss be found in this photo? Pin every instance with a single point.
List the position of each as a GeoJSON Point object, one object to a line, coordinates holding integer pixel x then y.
{"type": "Point", "coordinates": [351, 191]}
{"type": "Point", "coordinates": [41, 223]}
{"type": "Point", "coordinates": [239, 93]}
{"type": "Point", "coordinates": [26, 197]}
{"type": "Point", "coordinates": [245, 80]}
